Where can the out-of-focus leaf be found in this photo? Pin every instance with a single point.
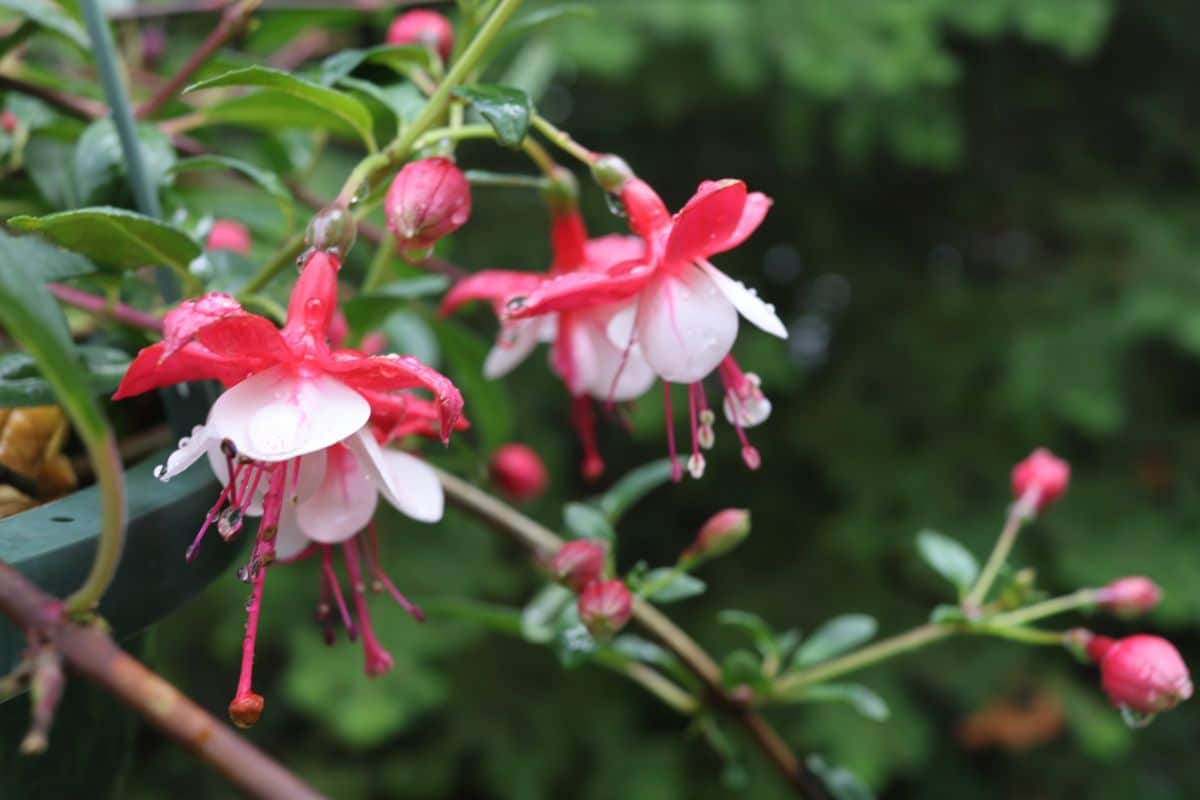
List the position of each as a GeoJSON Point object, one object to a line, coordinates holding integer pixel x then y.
{"type": "Point", "coordinates": [743, 668]}
{"type": "Point", "coordinates": [21, 384]}
{"type": "Point", "coordinates": [521, 28]}
{"type": "Point", "coordinates": [754, 625]}
{"type": "Point", "coordinates": [332, 101]}
{"type": "Point", "coordinates": [266, 180]}
{"type": "Point", "coordinates": [367, 311]}
{"type": "Point", "coordinates": [633, 486]}
{"type": "Point", "coordinates": [507, 110]}
{"type": "Point", "coordinates": [44, 260]}
{"type": "Point", "coordinates": [99, 164]}
{"type": "Point", "coordinates": [573, 644]}
{"type": "Point", "coordinates": [115, 238]}
{"type": "Point", "coordinates": [541, 619]}
{"type": "Point", "coordinates": [948, 558]}
{"type": "Point", "coordinates": [836, 637]}
{"type": "Point", "coordinates": [859, 697]}
{"type": "Point", "coordinates": [501, 619]}
{"type": "Point", "coordinates": [49, 162]}
{"type": "Point", "coordinates": [841, 783]}
{"type": "Point", "coordinates": [947, 613]}
{"type": "Point", "coordinates": [52, 17]}
{"type": "Point", "coordinates": [488, 405]}
{"type": "Point", "coordinates": [674, 585]}
{"type": "Point", "coordinates": [585, 521]}
{"type": "Point", "coordinates": [402, 59]}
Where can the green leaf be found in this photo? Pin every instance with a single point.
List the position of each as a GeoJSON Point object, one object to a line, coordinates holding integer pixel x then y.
{"type": "Point", "coordinates": [948, 558]}
{"type": "Point", "coordinates": [489, 407]}
{"type": "Point", "coordinates": [841, 783]}
{"type": "Point", "coordinates": [860, 698]}
{"type": "Point", "coordinates": [759, 631]}
{"type": "Point", "coordinates": [22, 385]}
{"type": "Point", "coordinates": [50, 16]}
{"type": "Point", "coordinates": [47, 262]}
{"type": "Point", "coordinates": [574, 644]}
{"type": "Point", "coordinates": [115, 238]}
{"type": "Point", "coordinates": [947, 613]}
{"type": "Point", "coordinates": [266, 180]}
{"type": "Point", "coordinates": [368, 311]}
{"type": "Point", "coordinates": [332, 101]}
{"type": "Point", "coordinates": [541, 619]}
{"type": "Point", "coordinates": [49, 164]}
{"type": "Point", "coordinates": [633, 486]}
{"type": "Point", "coordinates": [402, 59]}
{"type": "Point", "coordinates": [99, 163]}
{"type": "Point", "coordinates": [507, 110]}
{"type": "Point", "coordinates": [665, 585]}
{"type": "Point", "coordinates": [530, 23]}
{"type": "Point", "coordinates": [274, 111]}
{"type": "Point", "coordinates": [743, 668]}
{"type": "Point", "coordinates": [584, 521]}
{"type": "Point", "coordinates": [836, 637]}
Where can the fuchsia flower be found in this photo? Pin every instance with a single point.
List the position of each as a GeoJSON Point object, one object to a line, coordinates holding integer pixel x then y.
{"type": "Point", "coordinates": [578, 564]}
{"type": "Point", "coordinates": [519, 472]}
{"type": "Point", "coordinates": [722, 532]}
{"type": "Point", "coordinates": [290, 441]}
{"type": "Point", "coordinates": [605, 607]}
{"type": "Point", "coordinates": [1142, 673]}
{"type": "Point", "coordinates": [582, 354]}
{"type": "Point", "coordinates": [1040, 480]}
{"type": "Point", "coordinates": [229, 235]}
{"type": "Point", "coordinates": [678, 310]}
{"type": "Point", "coordinates": [423, 27]}
{"type": "Point", "coordinates": [428, 199]}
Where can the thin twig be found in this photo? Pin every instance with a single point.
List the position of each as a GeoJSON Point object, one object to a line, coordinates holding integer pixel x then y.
{"type": "Point", "coordinates": [542, 542]}
{"type": "Point", "coordinates": [102, 307]}
{"type": "Point", "coordinates": [216, 6]}
{"type": "Point", "coordinates": [94, 656]}
{"type": "Point", "coordinates": [233, 20]}
{"type": "Point", "coordinates": [81, 107]}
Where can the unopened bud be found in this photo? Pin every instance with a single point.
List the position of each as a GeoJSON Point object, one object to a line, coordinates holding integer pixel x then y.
{"type": "Point", "coordinates": [1077, 642]}
{"type": "Point", "coordinates": [332, 230]}
{"type": "Point", "coordinates": [610, 172]}
{"type": "Point", "coordinates": [722, 532]}
{"type": "Point", "coordinates": [423, 27]}
{"type": "Point", "coordinates": [578, 563]}
{"type": "Point", "coordinates": [428, 199]}
{"type": "Point", "coordinates": [8, 121]}
{"type": "Point", "coordinates": [519, 472]}
{"type": "Point", "coordinates": [1129, 596]}
{"type": "Point", "coordinates": [562, 191]}
{"type": "Point", "coordinates": [227, 234]}
{"type": "Point", "coordinates": [1041, 479]}
{"type": "Point", "coordinates": [605, 607]}
{"type": "Point", "coordinates": [245, 709]}
{"type": "Point", "coordinates": [1142, 673]}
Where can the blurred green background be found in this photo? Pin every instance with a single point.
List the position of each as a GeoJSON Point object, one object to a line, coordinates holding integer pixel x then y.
{"type": "Point", "coordinates": [983, 240]}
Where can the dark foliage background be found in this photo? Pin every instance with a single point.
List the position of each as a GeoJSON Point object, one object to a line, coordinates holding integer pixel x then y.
{"type": "Point", "coordinates": [984, 235]}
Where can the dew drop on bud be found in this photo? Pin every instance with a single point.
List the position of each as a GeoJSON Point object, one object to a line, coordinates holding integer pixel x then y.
{"type": "Point", "coordinates": [515, 304]}
{"type": "Point", "coordinates": [615, 205]}
{"type": "Point", "coordinates": [1136, 719]}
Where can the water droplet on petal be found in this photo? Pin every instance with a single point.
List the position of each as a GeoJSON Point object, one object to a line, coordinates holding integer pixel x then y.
{"type": "Point", "coordinates": [229, 522]}
{"type": "Point", "coordinates": [1136, 719]}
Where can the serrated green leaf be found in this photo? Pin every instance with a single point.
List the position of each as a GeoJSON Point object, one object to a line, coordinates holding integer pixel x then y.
{"type": "Point", "coordinates": [21, 384]}
{"type": "Point", "coordinates": [99, 162]}
{"type": "Point", "coordinates": [860, 698]}
{"type": "Point", "coordinates": [52, 17]}
{"type": "Point", "coordinates": [836, 637]}
{"type": "Point", "coordinates": [354, 113]}
{"type": "Point", "coordinates": [585, 521]}
{"type": "Point", "coordinates": [948, 558]}
{"type": "Point", "coordinates": [665, 585]}
{"type": "Point", "coordinates": [507, 110]}
{"type": "Point", "coordinates": [115, 238]}
{"type": "Point", "coordinates": [266, 180]}
{"type": "Point", "coordinates": [633, 486]}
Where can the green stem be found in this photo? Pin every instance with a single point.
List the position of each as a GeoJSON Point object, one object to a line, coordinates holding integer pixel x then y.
{"type": "Point", "coordinates": [454, 134]}
{"type": "Point", "coordinates": [651, 680]}
{"type": "Point", "coordinates": [871, 654]}
{"type": "Point", "coordinates": [1025, 635]}
{"type": "Point", "coordinates": [563, 140]}
{"type": "Point", "coordinates": [377, 272]}
{"type": "Point", "coordinates": [106, 465]}
{"type": "Point", "coordinates": [1000, 553]}
{"type": "Point", "coordinates": [1058, 605]}
{"type": "Point", "coordinates": [501, 181]}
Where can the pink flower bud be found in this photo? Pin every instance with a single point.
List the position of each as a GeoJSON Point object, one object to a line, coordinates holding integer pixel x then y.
{"type": "Point", "coordinates": [1042, 477]}
{"type": "Point", "coordinates": [229, 235]}
{"type": "Point", "coordinates": [577, 564]}
{"type": "Point", "coordinates": [519, 472]}
{"type": "Point", "coordinates": [604, 607]}
{"type": "Point", "coordinates": [724, 531]}
{"type": "Point", "coordinates": [1132, 595]}
{"type": "Point", "coordinates": [8, 121]}
{"type": "Point", "coordinates": [428, 199]}
{"type": "Point", "coordinates": [1142, 673]}
{"type": "Point", "coordinates": [428, 28]}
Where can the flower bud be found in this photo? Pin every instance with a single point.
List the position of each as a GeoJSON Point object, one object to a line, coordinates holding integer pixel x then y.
{"type": "Point", "coordinates": [333, 230]}
{"type": "Point", "coordinates": [578, 564]}
{"type": "Point", "coordinates": [1142, 673]}
{"type": "Point", "coordinates": [1040, 480]}
{"type": "Point", "coordinates": [427, 28]}
{"type": "Point", "coordinates": [8, 121]}
{"type": "Point", "coordinates": [245, 709]}
{"type": "Point", "coordinates": [519, 472]}
{"type": "Point", "coordinates": [562, 192]}
{"type": "Point", "coordinates": [1129, 596]}
{"type": "Point", "coordinates": [610, 172]}
{"type": "Point", "coordinates": [605, 607]}
{"type": "Point", "coordinates": [428, 199]}
{"type": "Point", "coordinates": [724, 531]}
{"type": "Point", "coordinates": [228, 235]}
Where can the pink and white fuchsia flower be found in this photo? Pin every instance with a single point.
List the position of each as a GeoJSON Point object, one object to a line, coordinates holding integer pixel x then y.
{"type": "Point", "coordinates": [677, 309]}
{"type": "Point", "coordinates": [290, 441]}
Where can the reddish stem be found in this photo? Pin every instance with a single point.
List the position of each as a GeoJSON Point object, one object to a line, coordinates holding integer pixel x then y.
{"type": "Point", "coordinates": [102, 307]}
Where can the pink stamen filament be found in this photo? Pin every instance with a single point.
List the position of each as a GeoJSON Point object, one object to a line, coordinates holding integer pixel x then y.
{"type": "Point", "coordinates": [676, 467]}
{"type": "Point", "coordinates": [330, 579]}
{"type": "Point", "coordinates": [694, 389]}
{"type": "Point", "coordinates": [376, 568]}
{"type": "Point", "coordinates": [584, 421]}
{"type": "Point", "coordinates": [378, 660]}
{"type": "Point", "coordinates": [209, 519]}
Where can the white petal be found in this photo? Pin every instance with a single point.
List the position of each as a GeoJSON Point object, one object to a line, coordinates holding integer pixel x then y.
{"type": "Point", "coordinates": [344, 503]}
{"type": "Point", "coordinates": [515, 342]}
{"type": "Point", "coordinates": [685, 326]}
{"type": "Point", "coordinates": [277, 414]}
{"type": "Point", "coordinates": [312, 472]}
{"type": "Point", "coordinates": [419, 493]}
{"type": "Point", "coordinates": [747, 302]}
{"type": "Point", "coordinates": [188, 452]}
{"type": "Point", "coordinates": [620, 325]}
{"type": "Point", "coordinates": [619, 374]}
{"type": "Point", "coordinates": [290, 541]}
